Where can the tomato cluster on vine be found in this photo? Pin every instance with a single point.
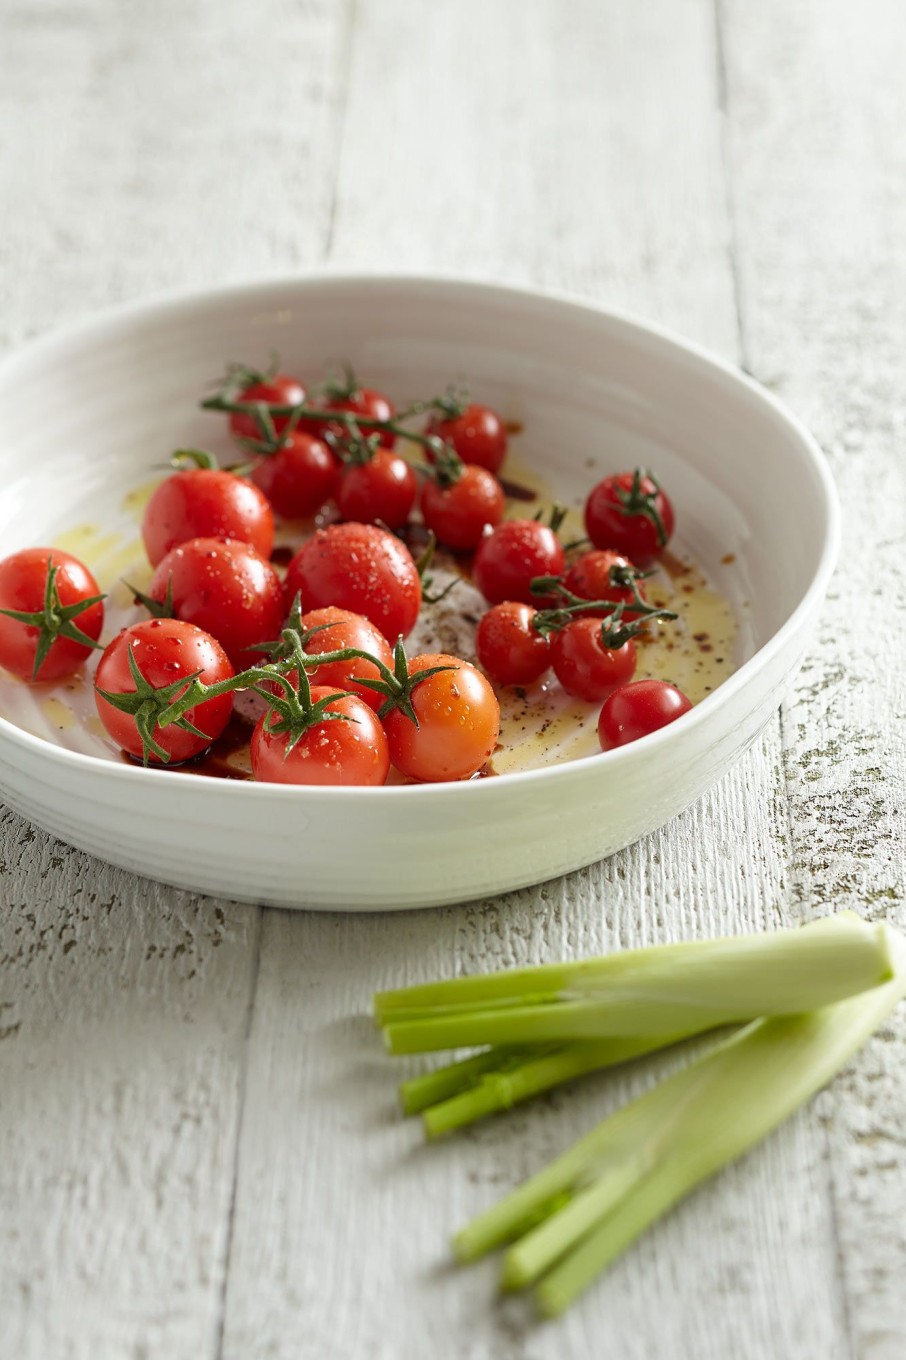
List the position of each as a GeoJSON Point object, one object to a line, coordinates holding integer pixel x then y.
{"type": "Point", "coordinates": [323, 646]}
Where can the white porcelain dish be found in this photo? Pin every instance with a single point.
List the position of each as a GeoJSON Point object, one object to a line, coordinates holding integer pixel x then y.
{"type": "Point", "coordinates": [85, 414]}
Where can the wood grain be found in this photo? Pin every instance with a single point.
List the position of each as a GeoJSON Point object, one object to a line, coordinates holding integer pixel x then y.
{"type": "Point", "coordinates": [152, 150]}
{"type": "Point", "coordinates": [122, 1007]}
{"type": "Point", "coordinates": [819, 191]}
{"type": "Point", "coordinates": [163, 146]}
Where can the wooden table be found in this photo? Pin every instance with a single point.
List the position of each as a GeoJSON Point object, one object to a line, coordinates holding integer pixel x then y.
{"type": "Point", "coordinates": [199, 1154]}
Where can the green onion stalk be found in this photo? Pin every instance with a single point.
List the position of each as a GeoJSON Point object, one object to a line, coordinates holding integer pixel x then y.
{"type": "Point", "coordinates": [570, 1221]}
{"type": "Point", "coordinates": [667, 990]}
{"type": "Point", "coordinates": [497, 1079]}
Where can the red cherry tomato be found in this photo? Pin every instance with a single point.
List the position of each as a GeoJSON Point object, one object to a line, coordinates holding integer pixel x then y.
{"type": "Point", "coordinates": [280, 390]}
{"type": "Point", "coordinates": [23, 588]}
{"type": "Point", "coordinates": [589, 577]}
{"type": "Point", "coordinates": [509, 648]}
{"type": "Point", "coordinates": [228, 590]}
{"type": "Point", "coordinates": [358, 401]}
{"type": "Point", "coordinates": [459, 720]}
{"type": "Point", "coordinates": [365, 401]}
{"type": "Point", "coordinates": [206, 503]}
{"type": "Point", "coordinates": [361, 568]}
{"type": "Point", "coordinates": [382, 489]}
{"type": "Point", "coordinates": [479, 436]}
{"type": "Point", "coordinates": [333, 751]}
{"type": "Point", "coordinates": [635, 710]}
{"type": "Point", "coordinates": [164, 651]}
{"type": "Point", "coordinates": [299, 477]}
{"type": "Point", "coordinates": [460, 513]}
{"type": "Point", "coordinates": [585, 667]}
{"type": "Point", "coordinates": [507, 560]}
{"type": "Point", "coordinates": [338, 629]}
{"type": "Point", "coordinates": [629, 513]}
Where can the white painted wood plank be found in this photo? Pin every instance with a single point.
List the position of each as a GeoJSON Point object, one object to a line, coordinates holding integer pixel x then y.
{"type": "Point", "coordinates": [143, 147]}
{"type": "Point", "coordinates": [123, 1011]}
{"type": "Point", "coordinates": [498, 140]}
{"type": "Point", "coordinates": [819, 187]}
{"type": "Point", "coordinates": [162, 146]}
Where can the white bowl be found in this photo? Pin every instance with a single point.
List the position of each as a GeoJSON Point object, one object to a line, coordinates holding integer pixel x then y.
{"type": "Point", "coordinates": [84, 414]}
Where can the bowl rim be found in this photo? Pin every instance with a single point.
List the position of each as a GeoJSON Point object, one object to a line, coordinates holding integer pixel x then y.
{"type": "Point", "coordinates": [179, 300]}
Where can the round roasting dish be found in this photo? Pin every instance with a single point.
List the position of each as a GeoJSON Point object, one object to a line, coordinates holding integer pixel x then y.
{"type": "Point", "coordinates": [87, 413]}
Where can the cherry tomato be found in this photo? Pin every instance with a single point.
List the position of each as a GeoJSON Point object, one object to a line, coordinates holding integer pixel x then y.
{"type": "Point", "coordinates": [629, 513]}
{"type": "Point", "coordinates": [339, 629]}
{"type": "Point", "coordinates": [365, 401]}
{"type": "Point", "coordinates": [459, 720]}
{"type": "Point", "coordinates": [164, 651]}
{"type": "Point", "coordinates": [585, 667]}
{"type": "Point", "coordinates": [382, 489]}
{"type": "Point", "coordinates": [589, 577]}
{"type": "Point", "coordinates": [23, 588]}
{"type": "Point", "coordinates": [632, 711]}
{"type": "Point", "coordinates": [478, 436]}
{"type": "Point", "coordinates": [280, 390]}
{"type": "Point", "coordinates": [228, 590]}
{"type": "Point", "coordinates": [206, 503]}
{"type": "Point", "coordinates": [507, 560]}
{"type": "Point", "coordinates": [299, 477]}
{"type": "Point", "coordinates": [509, 648]}
{"type": "Point", "coordinates": [361, 568]}
{"type": "Point", "coordinates": [334, 751]}
{"type": "Point", "coordinates": [358, 401]}
{"type": "Point", "coordinates": [460, 513]}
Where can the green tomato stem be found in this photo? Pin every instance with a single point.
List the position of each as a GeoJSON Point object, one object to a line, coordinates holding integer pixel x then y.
{"type": "Point", "coordinates": [320, 414]}
{"type": "Point", "coordinates": [55, 620]}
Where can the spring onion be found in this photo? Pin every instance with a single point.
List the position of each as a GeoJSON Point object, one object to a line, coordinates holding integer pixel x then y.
{"type": "Point", "coordinates": [803, 1000]}
{"type": "Point", "coordinates": [498, 1079]}
{"type": "Point", "coordinates": [570, 1221]}
{"type": "Point", "coordinates": [666, 990]}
